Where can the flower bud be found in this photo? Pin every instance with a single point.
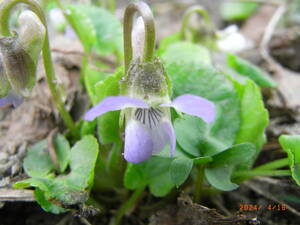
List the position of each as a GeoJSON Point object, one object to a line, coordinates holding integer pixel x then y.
{"type": "Point", "coordinates": [18, 65]}
{"type": "Point", "coordinates": [20, 54]}
{"type": "Point", "coordinates": [31, 34]}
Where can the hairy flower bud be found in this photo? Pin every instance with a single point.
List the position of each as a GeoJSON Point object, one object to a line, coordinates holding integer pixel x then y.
{"type": "Point", "coordinates": [20, 54]}
{"type": "Point", "coordinates": [18, 65]}
{"type": "Point", "coordinates": [31, 34]}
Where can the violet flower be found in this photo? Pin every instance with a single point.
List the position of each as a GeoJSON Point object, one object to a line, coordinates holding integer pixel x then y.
{"type": "Point", "coordinates": [149, 128]}
{"type": "Point", "coordinates": [145, 101]}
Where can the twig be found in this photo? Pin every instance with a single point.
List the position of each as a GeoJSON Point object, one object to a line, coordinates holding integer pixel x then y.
{"type": "Point", "coordinates": [12, 195]}
{"type": "Point", "coordinates": [269, 33]}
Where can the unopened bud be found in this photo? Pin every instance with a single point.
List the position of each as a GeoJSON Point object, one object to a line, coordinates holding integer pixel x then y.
{"type": "Point", "coordinates": [31, 34]}
{"type": "Point", "coordinates": [18, 65]}
{"type": "Point", "coordinates": [20, 54]}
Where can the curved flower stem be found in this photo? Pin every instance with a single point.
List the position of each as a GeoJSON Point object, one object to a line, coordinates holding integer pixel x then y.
{"type": "Point", "coordinates": [199, 183]}
{"type": "Point", "coordinates": [5, 9]}
{"type": "Point", "coordinates": [186, 18]}
{"type": "Point", "coordinates": [145, 12]}
{"type": "Point", "coordinates": [127, 206]}
{"type": "Point", "coordinates": [273, 165]}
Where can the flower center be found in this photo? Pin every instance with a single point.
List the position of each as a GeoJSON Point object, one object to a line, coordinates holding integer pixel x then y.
{"type": "Point", "coordinates": [149, 117]}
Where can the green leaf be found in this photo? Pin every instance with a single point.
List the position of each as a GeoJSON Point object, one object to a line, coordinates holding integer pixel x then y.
{"type": "Point", "coordinates": [237, 10]}
{"type": "Point", "coordinates": [218, 172]}
{"type": "Point", "coordinates": [154, 172]}
{"type": "Point", "coordinates": [164, 43]}
{"type": "Point", "coordinates": [82, 161]}
{"type": "Point", "coordinates": [97, 28]}
{"type": "Point", "coordinates": [87, 127]}
{"type": "Point", "coordinates": [108, 124]}
{"type": "Point", "coordinates": [291, 145]}
{"type": "Point", "coordinates": [135, 176]}
{"type": "Point", "coordinates": [67, 190]}
{"type": "Point", "coordinates": [91, 78]}
{"type": "Point", "coordinates": [180, 170]}
{"type": "Point", "coordinates": [62, 148]}
{"type": "Point", "coordinates": [116, 163]}
{"type": "Point", "coordinates": [247, 69]}
{"type": "Point", "coordinates": [219, 177]}
{"type": "Point", "coordinates": [46, 205]}
{"type": "Point", "coordinates": [254, 116]}
{"type": "Point", "coordinates": [37, 162]}
{"type": "Point", "coordinates": [185, 52]}
{"type": "Point", "coordinates": [194, 136]}
{"type": "Point", "coordinates": [83, 26]}
{"type": "Point", "coordinates": [233, 156]}
{"type": "Point", "coordinates": [193, 133]}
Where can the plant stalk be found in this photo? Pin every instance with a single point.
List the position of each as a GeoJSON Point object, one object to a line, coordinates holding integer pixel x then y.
{"type": "Point", "coordinates": [273, 165]}
{"type": "Point", "coordinates": [255, 173]}
{"type": "Point", "coordinates": [199, 183]}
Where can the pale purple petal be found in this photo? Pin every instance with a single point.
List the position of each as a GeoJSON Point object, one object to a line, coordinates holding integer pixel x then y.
{"type": "Point", "coordinates": [160, 138]}
{"type": "Point", "coordinates": [11, 100]}
{"type": "Point", "coordinates": [162, 135]}
{"type": "Point", "coordinates": [194, 105]}
{"type": "Point", "coordinates": [167, 126]}
{"type": "Point", "coordinates": [138, 142]}
{"type": "Point", "coordinates": [113, 103]}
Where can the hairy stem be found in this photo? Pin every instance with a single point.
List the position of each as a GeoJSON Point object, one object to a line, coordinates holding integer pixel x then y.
{"type": "Point", "coordinates": [5, 9]}
{"type": "Point", "coordinates": [144, 10]}
{"type": "Point", "coordinates": [199, 183]}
